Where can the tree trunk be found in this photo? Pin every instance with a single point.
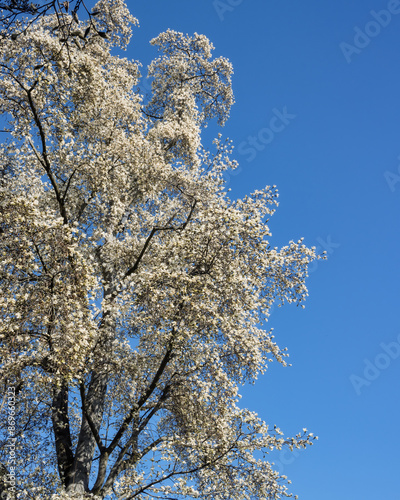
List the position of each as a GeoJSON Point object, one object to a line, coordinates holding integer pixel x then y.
{"type": "Point", "coordinates": [78, 481]}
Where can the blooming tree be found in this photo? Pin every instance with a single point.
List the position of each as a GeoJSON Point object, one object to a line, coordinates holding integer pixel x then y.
{"type": "Point", "coordinates": [134, 292]}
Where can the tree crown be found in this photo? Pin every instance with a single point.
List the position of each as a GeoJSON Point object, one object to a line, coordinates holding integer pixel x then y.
{"type": "Point", "coordinates": [134, 292]}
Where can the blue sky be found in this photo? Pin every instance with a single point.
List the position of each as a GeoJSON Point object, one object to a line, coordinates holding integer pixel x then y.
{"type": "Point", "coordinates": [335, 159]}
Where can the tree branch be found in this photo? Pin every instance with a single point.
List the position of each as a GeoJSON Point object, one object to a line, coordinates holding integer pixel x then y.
{"type": "Point", "coordinates": [151, 235]}
{"type": "Point", "coordinates": [144, 397]}
{"type": "Point", "coordinates": [45, 163]}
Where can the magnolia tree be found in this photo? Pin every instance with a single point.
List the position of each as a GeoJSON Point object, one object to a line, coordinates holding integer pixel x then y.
{"type": "Point", "coordinates": [134, 291]}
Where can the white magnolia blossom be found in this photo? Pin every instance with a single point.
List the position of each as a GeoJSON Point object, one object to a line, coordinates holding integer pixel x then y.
{"type": "Point", "coordinates": [134, 292]}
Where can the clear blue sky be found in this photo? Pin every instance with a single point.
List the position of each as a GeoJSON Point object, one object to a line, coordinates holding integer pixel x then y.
{"type": "Point", "coordinates": [335, 160]}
